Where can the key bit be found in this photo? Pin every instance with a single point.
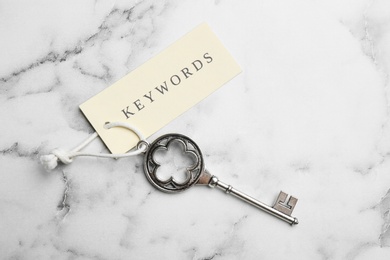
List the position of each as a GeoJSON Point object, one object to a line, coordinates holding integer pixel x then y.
{"type": "Point", "coordinates": [284, 205]}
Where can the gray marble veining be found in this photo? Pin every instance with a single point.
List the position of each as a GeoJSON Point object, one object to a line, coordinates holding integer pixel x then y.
{"type": "Point", "coordinates": [309, 114]}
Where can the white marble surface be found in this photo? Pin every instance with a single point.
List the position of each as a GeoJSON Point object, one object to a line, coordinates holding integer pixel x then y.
{"type": "Point", "coordinates": [309, 115]}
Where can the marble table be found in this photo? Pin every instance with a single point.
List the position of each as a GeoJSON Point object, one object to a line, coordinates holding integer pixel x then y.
{"type": "Point", "coordinates": [309, 115]}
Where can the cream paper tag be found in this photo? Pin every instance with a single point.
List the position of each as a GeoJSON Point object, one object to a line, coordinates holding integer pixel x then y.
{"type": "Point", "coordinates": [161, 89]}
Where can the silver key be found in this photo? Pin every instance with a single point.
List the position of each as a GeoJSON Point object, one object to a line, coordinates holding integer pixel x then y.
{"type": "Point", "coordinates": [196, 174]}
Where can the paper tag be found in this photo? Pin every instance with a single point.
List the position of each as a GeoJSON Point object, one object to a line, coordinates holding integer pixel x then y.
{"type": "Point", "coordinates": [161, 89]}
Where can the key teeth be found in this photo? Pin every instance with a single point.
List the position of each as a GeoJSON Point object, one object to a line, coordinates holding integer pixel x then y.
{"type": "Point", "coordinates": [292, 202]}
{"type": "Point", "coordinates": [282, 197]}
{"type": "Point", "coordinates": [283, 206]}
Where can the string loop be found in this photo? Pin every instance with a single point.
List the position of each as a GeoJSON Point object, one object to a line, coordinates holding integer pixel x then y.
{"type": "Point", "coordinates": [50, 161]}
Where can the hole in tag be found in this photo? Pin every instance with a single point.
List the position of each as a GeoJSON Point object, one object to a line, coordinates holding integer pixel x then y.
{"type": "Point", "coordinates": [175, 162]}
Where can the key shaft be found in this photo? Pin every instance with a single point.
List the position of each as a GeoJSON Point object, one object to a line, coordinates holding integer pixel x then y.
{"type": "Point", "coordinates": [215, 182]}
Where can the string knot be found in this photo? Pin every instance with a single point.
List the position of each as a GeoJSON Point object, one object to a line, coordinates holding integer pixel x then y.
{"type": "Point", "coordinates": [50, 161]}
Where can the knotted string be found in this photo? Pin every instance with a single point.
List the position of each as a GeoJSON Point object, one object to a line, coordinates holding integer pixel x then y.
{"type": "Point", "coordinates": [51, 160]}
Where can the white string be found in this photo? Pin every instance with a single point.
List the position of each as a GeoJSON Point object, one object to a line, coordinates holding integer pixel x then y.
{"type": "Point", "coordinates": [51, 160]}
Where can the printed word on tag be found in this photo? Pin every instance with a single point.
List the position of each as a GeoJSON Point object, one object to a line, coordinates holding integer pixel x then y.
{"type": "Point", "coordinates": [164, 87]}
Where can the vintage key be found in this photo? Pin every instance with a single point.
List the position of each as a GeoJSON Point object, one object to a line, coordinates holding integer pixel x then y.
{"type": "Point", "coordinates": [196, 174]}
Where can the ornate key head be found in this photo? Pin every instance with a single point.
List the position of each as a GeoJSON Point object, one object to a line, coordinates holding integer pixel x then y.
{"type": "Point", "coordinates": [156, 165]}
